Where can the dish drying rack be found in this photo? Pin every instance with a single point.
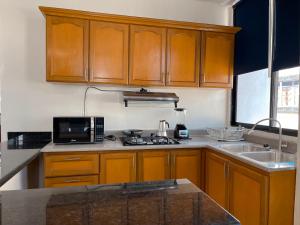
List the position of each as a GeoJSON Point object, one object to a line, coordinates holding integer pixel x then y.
{"type": "Point", "coordinates": [229, 134]}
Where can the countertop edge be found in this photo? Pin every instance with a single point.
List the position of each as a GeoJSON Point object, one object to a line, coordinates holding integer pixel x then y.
{"type": "Point", "coordinates": [9, 175]}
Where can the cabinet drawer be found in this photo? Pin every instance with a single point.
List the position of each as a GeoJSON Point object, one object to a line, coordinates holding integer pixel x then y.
{"type": "Point", "coordinates": [71, 181]}
{"type": "Point", "coordinates": [71, 164]}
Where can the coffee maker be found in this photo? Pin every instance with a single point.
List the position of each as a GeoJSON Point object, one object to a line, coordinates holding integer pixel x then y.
{"type": "Point", "coordinates": [181, 132]}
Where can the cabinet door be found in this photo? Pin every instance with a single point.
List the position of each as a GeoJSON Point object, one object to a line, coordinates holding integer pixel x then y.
{"type": "Point", "coordinates": [187, 164]}
{"type": "Point", "coordinates": [67, 49]}
{"type": "Point", "coordinates": [71, 181]}
{"type": "Point", "coordinates": [248, 195]}
{"type": "Point", "coordinates": [216, 173]}
{"type": "Point", "coordinates": [217, 59]}
{"type": "Point", "coordinates": [183, 58]}
{"type": "Point", "coordinates": [154, 166]}
{"type": "Point", "coordinates": [117, 168]}
{"type": "Point", "coordinates": [108, 52]}
{"type": "Point", "coordinates": [147, 55]}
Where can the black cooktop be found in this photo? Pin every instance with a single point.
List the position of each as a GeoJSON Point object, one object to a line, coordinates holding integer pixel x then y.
{"type": "Point", "coordinates": [149, 140]}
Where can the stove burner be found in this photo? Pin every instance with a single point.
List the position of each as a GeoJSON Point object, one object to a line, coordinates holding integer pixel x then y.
{"type": "Point", "coordinates": [152, 140]}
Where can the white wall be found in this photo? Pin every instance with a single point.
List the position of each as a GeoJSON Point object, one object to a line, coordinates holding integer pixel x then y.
{"type": "Point", "coordinates": [29, 102]}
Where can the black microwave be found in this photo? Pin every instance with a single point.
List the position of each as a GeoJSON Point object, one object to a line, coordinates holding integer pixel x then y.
{"type": "Point", "coordinates": [72, 130]}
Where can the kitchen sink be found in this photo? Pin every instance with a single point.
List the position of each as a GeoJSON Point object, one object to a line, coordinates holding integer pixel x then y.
{"type": "Point", "coordinates": [269, 156]}
{"type": "Point", "coordinates": [244, 147]}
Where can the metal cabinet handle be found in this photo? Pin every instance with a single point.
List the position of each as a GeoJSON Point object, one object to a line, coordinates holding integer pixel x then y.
{"type": "Point", "coordinates": [168, 159]}
{"type": "Point", "coordinates": [71, 181]}
{"type": "Point", "coordinates": [72, 159]}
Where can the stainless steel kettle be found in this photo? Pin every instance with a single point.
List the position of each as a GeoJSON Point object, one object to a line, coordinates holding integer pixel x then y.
{"type": "Point", "coordinates": [162, 128]}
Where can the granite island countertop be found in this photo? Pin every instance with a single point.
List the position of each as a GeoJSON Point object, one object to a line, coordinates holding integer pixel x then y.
{"type": "Point", "coordinates": [182, 203]}
{"type": "Point", "coordinates": [197, 141]}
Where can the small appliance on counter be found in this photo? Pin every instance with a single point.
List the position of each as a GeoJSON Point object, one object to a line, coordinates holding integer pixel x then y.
{"type": "Point", "coordinates": [162, 128]}
{"type": "Point", "coordinates": [181, 132]}
{"type": "Point", "coordinates": [78, 130]}
{"type": "Point", "coordinates": [134, 137]}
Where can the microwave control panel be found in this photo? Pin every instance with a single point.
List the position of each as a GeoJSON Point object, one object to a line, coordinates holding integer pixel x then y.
{"type": "Point", "coordinates": [99, 129]}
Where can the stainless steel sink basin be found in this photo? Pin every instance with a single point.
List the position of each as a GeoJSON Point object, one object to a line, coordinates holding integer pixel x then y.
{"type": "Point", "coordinates": [244, 147]}
{"type": "Point", "coordinates": [269, 157]}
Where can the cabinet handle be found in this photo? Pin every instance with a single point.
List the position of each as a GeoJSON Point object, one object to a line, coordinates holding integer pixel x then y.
{"type": "Point", "coordinates": [71, 181]}
{"type": "Point", "coordinates": [72, 159]}
{"type": "Point", "coordinates": [225, 170]}
{"type": "Point", "coordinates": [174, 161]}
{"type": "Point", "coordinates": [168, 159]}
{"type": "Point", "coordinates": [228, 172]}
{"type": "Point", "coordinates": [133, 162]}
{"type": "Point", "coordinates": [85, 71]}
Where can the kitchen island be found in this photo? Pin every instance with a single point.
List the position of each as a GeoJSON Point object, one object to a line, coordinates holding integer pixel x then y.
{"type": "Point", "coordinates": [137, 203]}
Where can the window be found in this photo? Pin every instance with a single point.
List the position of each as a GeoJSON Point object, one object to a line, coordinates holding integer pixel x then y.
{"type": "Point", "coordinates": [253, 102]}
{"type": "Point", "coordinates": [256, 96]}
{"type": "Point", "coordinates": [287, 92]}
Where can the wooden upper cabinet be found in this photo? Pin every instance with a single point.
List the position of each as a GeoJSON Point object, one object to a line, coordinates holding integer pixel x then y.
{"type": "Point", "coordinates": [183, 57]}
{"type": "Point", "coordinates": [186, 164]}
{"type": "Point", "coordinates": [217, 59]}
{"type": "Point", "coordinates": [67, 49]}
{"type": "Point", "coordinates": [117, 167]}
{"type": "Point", "coordinates": [248, 191]}
{"type": "Point", "coordinates": [216, 183]}
{"type": "Point", "coordinates": [147, 55]}
{"type": "Point", "coordinates": [109, 52]}
{"type": "Point", "coordinates": [154, 165]}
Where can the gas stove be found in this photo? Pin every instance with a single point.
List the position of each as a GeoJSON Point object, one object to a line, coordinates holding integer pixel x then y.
{"type": "Point", "coordinates": [149, 140]}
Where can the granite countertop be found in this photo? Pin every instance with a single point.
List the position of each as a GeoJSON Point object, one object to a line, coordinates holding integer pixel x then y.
{"type": "Point", "coordinates": [197, 141]}
{"type": "Point", "coordinates": [14, 160]}
{"type": "Point", "coordinates": [183, 203]}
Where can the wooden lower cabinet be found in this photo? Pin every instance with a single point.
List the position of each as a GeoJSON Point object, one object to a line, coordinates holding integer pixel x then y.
{"type": "Point", "coordinates": [248, 193]}
{"type": "Point", "coordinates": [186, 164]}
{"type": "Point", "coordinates": [117, 167]}
{"type": "Point", "coordinates": [216, 185]}
{"type": "Point", "coordinates": [71, 181]}
{"type": "Point", "coordinates": [253, 196]}
{"type": "Point", "coordinates": [71, 164]}
{"type": "Point", "coordinates": [154, 165]}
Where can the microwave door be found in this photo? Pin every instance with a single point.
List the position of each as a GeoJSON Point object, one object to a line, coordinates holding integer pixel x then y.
{"type": "Point", "coordinates": [72, 130]}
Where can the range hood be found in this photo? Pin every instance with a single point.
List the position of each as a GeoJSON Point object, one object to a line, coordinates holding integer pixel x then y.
{"type": "Point", "coordinates": [144, 95]}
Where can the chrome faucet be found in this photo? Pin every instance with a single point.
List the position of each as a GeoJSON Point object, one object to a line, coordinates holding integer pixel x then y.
{"type": "Point", "coordinates": [280, 134]}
